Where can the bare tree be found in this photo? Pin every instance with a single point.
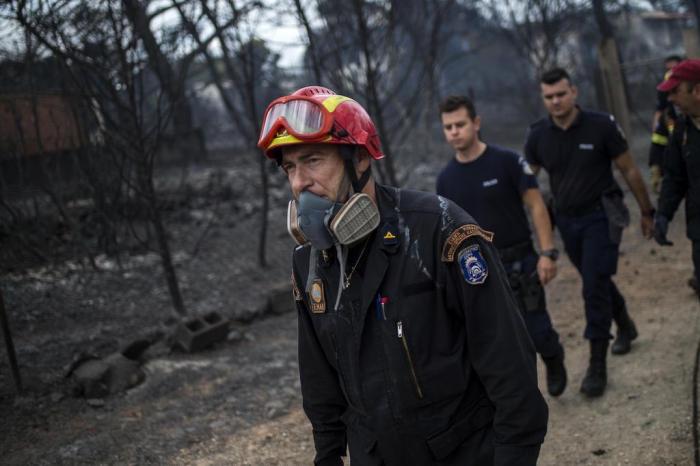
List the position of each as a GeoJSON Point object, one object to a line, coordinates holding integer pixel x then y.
{"type": "Point", "coordinates": [98, 47]}
{"type": "Point", "coordinates": [242, 70]}
{"type": "Point", "coordinates": [173, 83]}
{"type": "Point", "coordinates": [536, 28]}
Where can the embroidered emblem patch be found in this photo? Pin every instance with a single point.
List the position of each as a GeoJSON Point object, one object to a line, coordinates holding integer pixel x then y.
{"type": "Point", "coordinates": [473, 265]}
{"type": "Point", "coordinates": [458, 236]}
{"type": "Point", "coordinates": [389, 236]}
{"type": "Point", "coordinates": [317, 297]}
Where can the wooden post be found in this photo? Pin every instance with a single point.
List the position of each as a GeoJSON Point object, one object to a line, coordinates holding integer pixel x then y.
{"type": "Point", "coordinates": [10, 346]}
{"type": "Point", "coordinates": [613, 84]}
{"type": "Point", "coordinates": [691, 43]}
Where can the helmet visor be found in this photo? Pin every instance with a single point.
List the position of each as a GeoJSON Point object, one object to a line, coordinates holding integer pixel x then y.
{"type": "Point", "coordinates": [304, 118]}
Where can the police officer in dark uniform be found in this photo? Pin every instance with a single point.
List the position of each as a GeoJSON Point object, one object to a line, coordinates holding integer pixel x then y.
{"type": "Point", "coordinates": [492, 184]}
{"type": "Point", "coordinates": [682, 160]}
{"type": "Point", "coordinates": [411, 347]}
{"type": "Point", "coordinates": [576, 148]}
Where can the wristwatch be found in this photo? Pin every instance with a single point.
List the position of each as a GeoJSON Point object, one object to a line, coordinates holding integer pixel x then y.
{"type": "Point", "coordinates": [551, 253]}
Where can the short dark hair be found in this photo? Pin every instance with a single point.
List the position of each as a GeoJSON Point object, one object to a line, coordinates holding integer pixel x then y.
{"type": "Point", "coordinates": [677, 58]}
{"type": "Point", "coordinates": [455, 102]}
{"type": "Point", "coordinates": [554, 76]}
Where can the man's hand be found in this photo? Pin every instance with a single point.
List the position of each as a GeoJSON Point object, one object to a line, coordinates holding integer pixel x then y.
{"type": "Point", "coordinates": [546, 269]}
{"type": "Point", "coordinates": [661, 230]}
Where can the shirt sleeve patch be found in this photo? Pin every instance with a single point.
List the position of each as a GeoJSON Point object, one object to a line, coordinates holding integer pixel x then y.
{"type": "Point", "coordinates": [527, 169]}
{"type": "Point", "coordinates": [459, 236]}
{"type": "Point", "coordinates": [473, 265]}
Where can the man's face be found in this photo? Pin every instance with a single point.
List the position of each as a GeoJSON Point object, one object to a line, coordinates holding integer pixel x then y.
{"type": "Point", "coordinates": [317, 168]}
{"type": "Point", "coordinates": [686, 98]}
{"type": "Point", "coordinates": [461, 132]}
{"type": "Point", "coordinates": [559, 98]}
{"type": "Point", "coordinates": [668, 65]}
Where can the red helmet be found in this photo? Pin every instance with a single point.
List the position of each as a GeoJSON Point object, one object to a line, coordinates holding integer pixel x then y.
{"type": "Point", "coordinates": [316, 114]}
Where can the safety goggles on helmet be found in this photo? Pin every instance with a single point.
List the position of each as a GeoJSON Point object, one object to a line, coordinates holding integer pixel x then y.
{"type": "Point", "coordinates": [302, 117]}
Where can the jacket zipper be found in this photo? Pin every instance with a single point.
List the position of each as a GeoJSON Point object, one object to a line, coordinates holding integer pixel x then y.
{"type": "Point", "coordinates": [402, 337]}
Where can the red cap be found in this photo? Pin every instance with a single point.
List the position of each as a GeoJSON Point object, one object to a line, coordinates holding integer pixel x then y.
{"type": "Point", "coordinates": [687, 70]}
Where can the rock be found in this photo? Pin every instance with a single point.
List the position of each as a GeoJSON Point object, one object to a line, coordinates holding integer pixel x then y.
{"type": "Point", "coordinates": [96, 402]}
{"type": "Point", "coordinates": [234, 335]}
{"type": "Point", "coordinates": [98, 378]}
{"type": "Point", "coordinates": [55, 397]}
{"type": "Point", "coordinates": [216, 425]}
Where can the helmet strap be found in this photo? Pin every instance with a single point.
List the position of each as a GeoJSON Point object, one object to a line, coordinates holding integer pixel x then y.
{"type": "Point", "coordinates": [349, 154]}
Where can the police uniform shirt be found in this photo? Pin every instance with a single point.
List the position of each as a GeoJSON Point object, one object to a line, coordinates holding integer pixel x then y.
{"type": "Point", "coordinates": [490, 188]}
{"type": "Point", "coordinates": [578, 159]}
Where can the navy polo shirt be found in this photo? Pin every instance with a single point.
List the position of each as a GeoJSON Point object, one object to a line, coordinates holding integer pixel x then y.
{"type": "Point", "coordinates": [490, 188]}
{"type": "Point", "coordinates": [578, 159]}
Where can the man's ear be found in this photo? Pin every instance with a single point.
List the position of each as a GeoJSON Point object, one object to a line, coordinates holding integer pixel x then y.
{"type": "Point", "coordinates": [477, 122]}
{"type": "Point", "coordinates": [363, 161]}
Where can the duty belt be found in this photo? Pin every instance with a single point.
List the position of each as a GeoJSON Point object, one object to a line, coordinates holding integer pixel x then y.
{"type": "Point", "coordinates": [580, 211]}
{"type": "Point", "coordinates": [516, 252]}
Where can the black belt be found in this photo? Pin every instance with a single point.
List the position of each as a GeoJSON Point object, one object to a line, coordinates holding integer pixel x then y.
{"type": "Point", "coordinates": [580, 211]}
{"type": "Point", "coordinates": [516, 252]}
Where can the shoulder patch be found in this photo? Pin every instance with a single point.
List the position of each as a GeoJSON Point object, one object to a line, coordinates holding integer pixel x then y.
{"type": "Point", "coordinates": [458, 236]}
{"type": "Point", "coordinates": [527, 169]}
{"type": "Point", "coordinates": [295, 289]}
{"type": "Point", "coordinates": [473, 265]}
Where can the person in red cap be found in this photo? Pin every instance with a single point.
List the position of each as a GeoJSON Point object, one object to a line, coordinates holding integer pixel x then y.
{"type": "Point", "coordinates": [662, 127]}
{"type": "Point", "coordinates": [412, 350]}
{"type": "Point", "coordinates": [682, 161]}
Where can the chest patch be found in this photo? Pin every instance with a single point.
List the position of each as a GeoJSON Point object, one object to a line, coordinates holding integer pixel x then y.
{"type": "Point", "coordinates": [317, 297]}
{"type": "Point", "coordinates": [473, 265]}
{"type": "Point", "coordinates": [488, 183]}
{"type": "Point", "coordinates": [584, 146]}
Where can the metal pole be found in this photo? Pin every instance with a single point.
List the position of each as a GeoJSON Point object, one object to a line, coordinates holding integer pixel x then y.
{"type": "Point", "coordinates": [11, 355]}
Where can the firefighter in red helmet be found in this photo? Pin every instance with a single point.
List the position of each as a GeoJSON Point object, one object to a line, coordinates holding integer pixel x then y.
{"type": "Point", "coordinates": [412, 350]}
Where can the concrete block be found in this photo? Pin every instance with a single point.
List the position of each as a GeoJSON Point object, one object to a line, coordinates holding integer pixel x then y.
{"type": "Point", "coordinates": [198, 333]}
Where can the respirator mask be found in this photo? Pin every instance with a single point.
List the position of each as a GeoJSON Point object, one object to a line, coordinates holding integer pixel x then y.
{"type": "Point", "coordinates": [324, 224]}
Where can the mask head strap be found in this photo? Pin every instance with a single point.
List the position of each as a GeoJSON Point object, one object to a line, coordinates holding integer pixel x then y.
{"type": "Point", "coordinates": [349, 154]}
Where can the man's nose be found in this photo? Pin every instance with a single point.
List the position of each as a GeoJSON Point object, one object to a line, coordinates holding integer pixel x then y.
{"type": "Point", "coordinates": [299, 181]}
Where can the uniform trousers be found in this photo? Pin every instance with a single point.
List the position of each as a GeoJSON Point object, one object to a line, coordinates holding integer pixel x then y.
{"type": "Point", "coordinates": [588, 245]}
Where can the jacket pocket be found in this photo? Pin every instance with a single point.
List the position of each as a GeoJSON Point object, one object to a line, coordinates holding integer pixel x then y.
{"type": "Point", "coordinates": [401, 334]}
{"type": "Point", "coordinates": [441, 445]}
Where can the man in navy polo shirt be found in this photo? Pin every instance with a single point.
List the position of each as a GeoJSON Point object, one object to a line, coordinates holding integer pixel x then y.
{"type": "Point", "coordinates": [492, 183]}
{"type": "Point", "coordinates": [577, 149]}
